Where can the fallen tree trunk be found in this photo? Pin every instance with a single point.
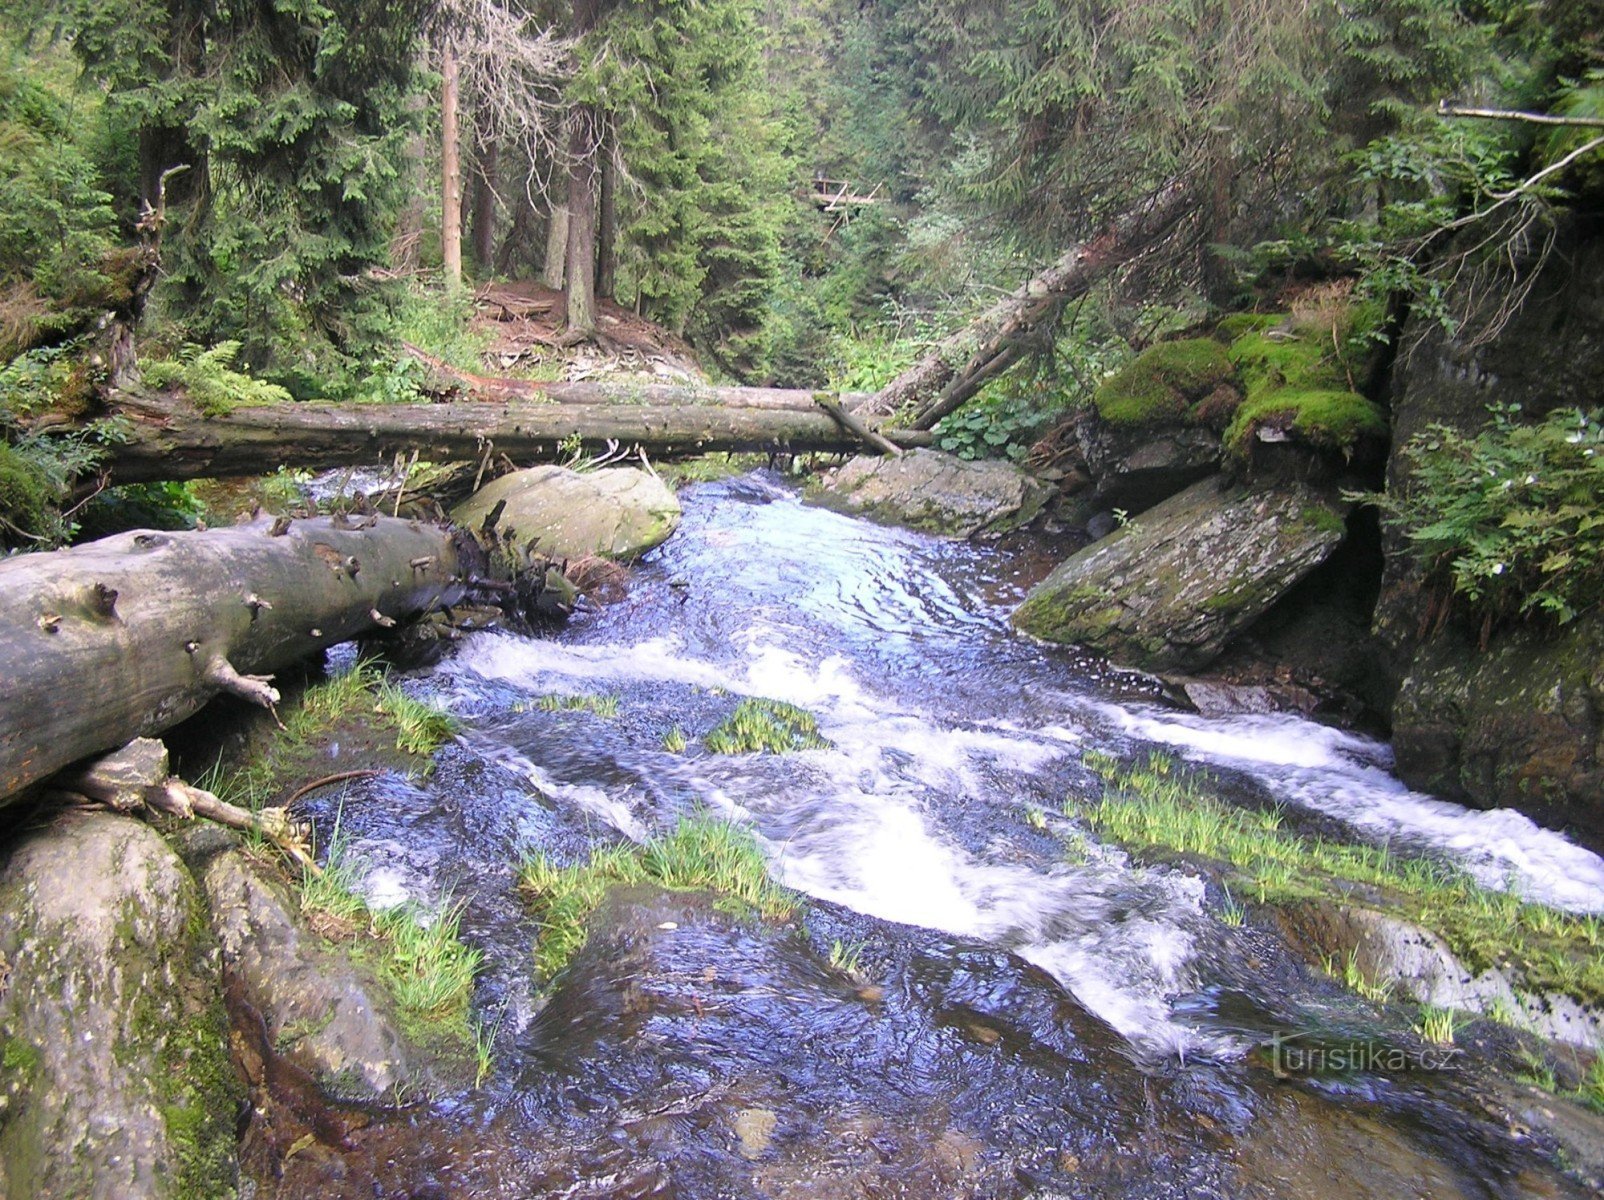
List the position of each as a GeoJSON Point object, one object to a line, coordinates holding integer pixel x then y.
{"type": "Point", "coordinates": [956, 368]}
{"type": "Point", "coordinates": [653, 395]}
{"type": "Point", "coordinates": [168, 439]}
{"type": "Point", "coordinates": [122, 638]}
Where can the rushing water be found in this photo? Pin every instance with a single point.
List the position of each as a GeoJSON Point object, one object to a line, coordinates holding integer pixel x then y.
{"type": "Point", "coordinates": [1035, 1022]}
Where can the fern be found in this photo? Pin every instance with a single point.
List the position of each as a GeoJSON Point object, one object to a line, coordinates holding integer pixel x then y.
{"type": "Point", "coordinates": [209, 379]}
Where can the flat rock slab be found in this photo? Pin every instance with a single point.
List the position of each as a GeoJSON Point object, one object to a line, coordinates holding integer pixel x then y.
{"type": "Point", "coordinates": [938, 493]}
{"type": "Point", "coordinates": [1168, 591]}
{"type": "Point", "coordinates": [116, 1080]}
{"type": "Point", "coordinates": [618, 513]}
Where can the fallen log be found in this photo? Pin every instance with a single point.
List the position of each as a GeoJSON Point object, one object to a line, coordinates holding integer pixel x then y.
{"type": "Point", "coordinates": [957, 366]}
{"type": "Point", "coordinates": [166, 438]}
{"type": "Point", "coordinates": [122, 638]}
{"type": "Point", "coordinates": [652, 395]}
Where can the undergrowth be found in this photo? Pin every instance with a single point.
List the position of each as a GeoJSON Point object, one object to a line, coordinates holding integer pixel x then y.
{"type": "Point", "coordinates": [701, 854]}
{"type": "Point", "coordinates": [1156, 803]}
{"type": "Point", "coordinates": [211, 381]}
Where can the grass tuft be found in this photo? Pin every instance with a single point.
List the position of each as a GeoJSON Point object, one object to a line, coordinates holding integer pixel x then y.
{"type": "Point", "coordinates": [1154, 803]}
{"type": "Point", "coordinates": [761, 726]}
{"type": "Point", "coordinates": [702, 854]}
{"type": "Point", "coordinates": [599, 705]}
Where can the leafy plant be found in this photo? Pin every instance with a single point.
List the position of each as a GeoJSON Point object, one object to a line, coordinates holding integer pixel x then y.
{"type": "Point", "coordinates": [211, 381]}
{"type": "Point", "coordinates": [1510, 515]}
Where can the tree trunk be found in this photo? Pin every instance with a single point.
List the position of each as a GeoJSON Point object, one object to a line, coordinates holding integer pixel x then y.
{"type": "Point", "coordinates": [487, 156]}
{"type": "Point", "coordinates": [556, 273]}
{"type": "Point", "coordinates": [941, 381]}
{"type": "Point", "coordinates": [582, 174]}
{"type": "Point", "coordinates": [168, 439]}
{"type": "Point", "coordinates": [607, 225]}
{"type": "Point", "coordinates": [127, 636]}
{"type": "Point", "coordinates": [450, 169]}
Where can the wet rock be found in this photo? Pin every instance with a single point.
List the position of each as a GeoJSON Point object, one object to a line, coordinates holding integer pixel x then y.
{"type": "Point", "coordinates": [938, 493]}
{"type": "Point", "coordinates": [117, 1080]}
{"type": "Point", "coordinates": [1214, 698]}
{"type": "Point", "coordinates": [1387, 949]}
{"type": "Point", "coordinates": [1170, 590]}
{"type": "Point", "coordinates": [1519, 724]}
{"type": "Point", "coordinates": [320, 1012]}
{"type": "Point", "coordinates": [617, 513]}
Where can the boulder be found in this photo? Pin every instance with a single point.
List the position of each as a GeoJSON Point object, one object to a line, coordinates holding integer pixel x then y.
{"type": "Point", "coordinates": [117, 1081]}
{"type": "Point", "coordinates": [938, 493]}
{"type": "Point", "coordinates": [1136, 467]}
{"type": "Point", "coordinates": [1167, 592]}
{"type": "Point", "coordinates": [1520, 723]}
{"type": "Point", "coordinates": [618, 513]}
{"type": "Point", "coordinates": [320, 1012]}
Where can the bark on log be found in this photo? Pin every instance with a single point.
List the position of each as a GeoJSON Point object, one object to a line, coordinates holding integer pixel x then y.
{"type": "Point", "coordinates": [941, 381]}
{"type": "Point", "coordinates": [168, 439]}
{"type": "Point", "coordinates": [664, 395]}
{"type": "Point", "coordinates": [122, 638]}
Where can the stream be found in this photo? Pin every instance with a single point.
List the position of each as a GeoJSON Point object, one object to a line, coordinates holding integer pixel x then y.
{"type": "Point", "coordinates": [1022, 1020]}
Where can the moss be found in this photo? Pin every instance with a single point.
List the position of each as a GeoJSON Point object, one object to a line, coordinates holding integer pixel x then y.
{"type": "Point", "coordinates": [1296, 384]}
{"type": "Point", "coordinates": [19, 1057]}
{"type": "Point", "coordinates": [1237, 324]}
{"type": "Point", "coordinates": [1330, 420]}
{"type": "Point", "coordinates": [1323, 519]}
{"type": "Point", "coordinates": [1164, 383]}
{"type": "Point", "coordinates": [25, 494]}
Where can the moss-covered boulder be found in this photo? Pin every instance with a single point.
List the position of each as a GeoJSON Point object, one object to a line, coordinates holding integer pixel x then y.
{"type": "Point", "coordinates": [116, 1074]}
{"type": "Point", "coordinates": [938, 493]}
{"type": "Point", "coordinates": [320, 1011]}
{"type": "Point", "coordinates": [1300, 377]}
{"type": "Point", "coordinates": [1154, 426]}
{"type": "Point", "coordinates": [1518, 724]}
{"type": "Point", "coordinates": [618, 513]}
{"type": "Point", "coordinates": [1169, 590]}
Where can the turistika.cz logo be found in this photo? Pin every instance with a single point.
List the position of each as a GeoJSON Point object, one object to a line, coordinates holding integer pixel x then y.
{"type": "Point", "coordinates": [1293, 1054]}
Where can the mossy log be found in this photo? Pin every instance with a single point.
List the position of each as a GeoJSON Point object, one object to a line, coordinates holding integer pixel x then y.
{"type": "Point", "coordinates": [169, 439]}
{"type": "Point", "coordinates": [125, 637]}
{"type": "Point", "coordinates": [960, 364]}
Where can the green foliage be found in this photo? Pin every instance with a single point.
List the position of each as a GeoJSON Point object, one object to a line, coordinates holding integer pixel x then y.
{"type": "Point", "coordinates": [209, 379]}
{"type": "Point", "coordinates": [1510, 515]}
{"type": "Point", "coordinates": [762, 726]}
{"type": "Point", "coordinates": [292, 120]}
{"type": "Point", "coordinates": [1156, 803]}
{"type": "Point", "coordinates": [599, 705]}
{"type": "Point", "coordinates": [701, 854]}
{"type": "Point", "coordinates": [57, 226]}
{"type": "Point", "coordinates": [1004, 419]}
{"type": "Point", "coordinates": [421, 956]}
{"type": "Point", "coordinates": [1169, 383]}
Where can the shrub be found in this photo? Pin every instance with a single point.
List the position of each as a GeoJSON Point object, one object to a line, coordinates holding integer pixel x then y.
{"type": "Point", "coordinates": [1510, 515]}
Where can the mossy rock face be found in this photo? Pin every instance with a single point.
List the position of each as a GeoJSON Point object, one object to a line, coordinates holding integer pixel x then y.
{"type": "Point", "coordinates": [1153, 428]}
{"type": "Point", "coordinates": [937, 493]}
{"type": "Point", "coordinates": [1520, 724]}
{"type": "Point", "coordinates": [618, 513]}
{"type": "Point", "coordinates": [25, 495]}
{"type": "Point", "coordinates": [117, 1078]}
{"type": "Point", "coordinates": [1166, 384]}
{"type": "Point", "coordinates": [1170, 590]}
{"type": "Point", "coordinates": [1299, 389]}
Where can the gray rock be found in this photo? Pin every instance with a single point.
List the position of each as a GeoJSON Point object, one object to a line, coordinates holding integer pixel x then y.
{"type": "Point", "coordinates": [1421, 966]}
{"type": "Point", "coordinates": [117, 1081]}
{"type": "Point", "coordinates": [1169, 590]}
{"type": "Point", "coordinates": [1136, 467]}
{"type": "Point", "coordinates": [938, 493]}
{"type": "Point", "coordinates": [320, 1012]}
{"type": "Point", "coordinates": [618, 513]}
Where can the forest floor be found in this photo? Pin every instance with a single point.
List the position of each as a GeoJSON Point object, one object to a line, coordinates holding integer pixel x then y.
{"type": "Point", "coordinates": [523, 322]}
